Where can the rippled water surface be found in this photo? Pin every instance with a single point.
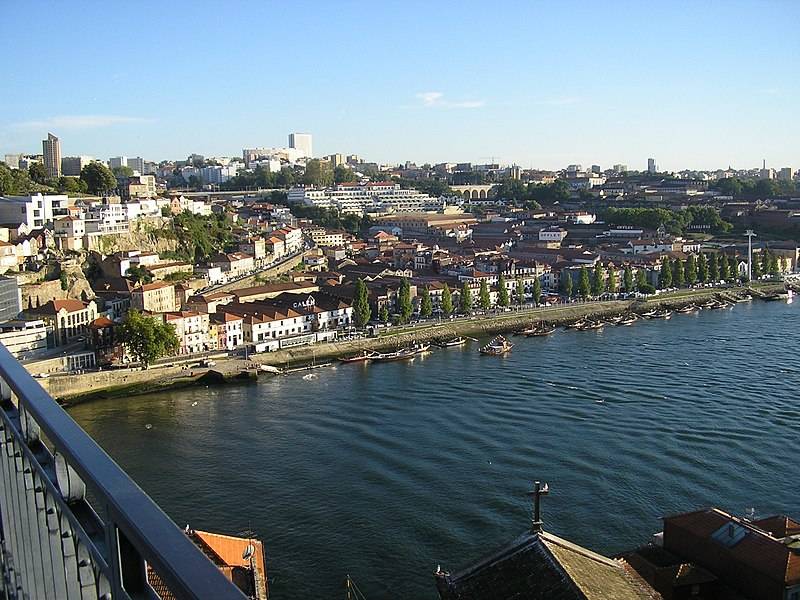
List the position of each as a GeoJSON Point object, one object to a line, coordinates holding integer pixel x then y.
{"type": "Point", "coordinates": [385, 471]}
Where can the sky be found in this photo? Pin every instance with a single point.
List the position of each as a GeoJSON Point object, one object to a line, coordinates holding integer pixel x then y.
{"type": "Point", "coordinates": [539, 84]}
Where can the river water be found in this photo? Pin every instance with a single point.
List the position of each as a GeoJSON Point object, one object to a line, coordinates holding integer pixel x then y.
{"type": "Point", "coordinates": [384, 471]}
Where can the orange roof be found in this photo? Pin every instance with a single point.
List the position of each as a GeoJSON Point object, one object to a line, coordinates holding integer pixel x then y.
{"type": "Point", "coordinates": [149, 287]}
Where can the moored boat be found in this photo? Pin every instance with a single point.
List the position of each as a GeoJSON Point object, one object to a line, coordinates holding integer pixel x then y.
{"type": "Point", "coordinates": [498, 346]}
{"type": "Point", "coordinates": [684, 310]}
{"type": "Point", "coordinates": [458, 341]}
{"type": "Point", "coordinates": [629, 320]}
{"type": "Point", "coordinates": [592, 325]}
{"type": "Point", "coordinates": [649, 313]}
{"type": "Point", "coordinates": [364, 356]}
{"type": "Point", "coordinates": [541, 331]}
{"type": "Point", "coordinates": [576, 324]}
{"type": "Point", "coordinates": [662, 314]}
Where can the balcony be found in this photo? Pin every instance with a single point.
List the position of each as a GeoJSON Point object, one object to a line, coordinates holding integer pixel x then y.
{"type": "Point", "coordinates": [54, 543]}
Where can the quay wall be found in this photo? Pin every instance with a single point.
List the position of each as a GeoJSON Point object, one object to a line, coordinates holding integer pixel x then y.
{"type": "Point", "coordinates": [128, 382]}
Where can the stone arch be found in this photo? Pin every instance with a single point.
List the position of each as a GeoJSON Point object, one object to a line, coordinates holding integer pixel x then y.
{"type": "Point", "coordinates": [466, 194]}
{"type": "Point", "coordinates": [483, 194]}
{"type": "Point", "coordinates": [475, 194]}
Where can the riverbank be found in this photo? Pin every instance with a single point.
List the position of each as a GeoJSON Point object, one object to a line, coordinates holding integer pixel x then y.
{"type": "Point", "coordinates": [127, 382]}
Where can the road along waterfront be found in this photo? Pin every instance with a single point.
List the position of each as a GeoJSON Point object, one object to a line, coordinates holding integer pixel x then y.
{"type": "Point", "coordinates": [127, 382]}
{"type": "Point", "coordinates": [384, 471]}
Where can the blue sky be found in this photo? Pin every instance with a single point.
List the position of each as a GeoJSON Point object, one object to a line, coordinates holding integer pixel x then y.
{"type": "Point", "coordinates": [544, 84]}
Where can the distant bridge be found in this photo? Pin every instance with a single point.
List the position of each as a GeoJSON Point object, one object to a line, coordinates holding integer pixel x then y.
{"type": "Point", "coordinates": [474, 192]}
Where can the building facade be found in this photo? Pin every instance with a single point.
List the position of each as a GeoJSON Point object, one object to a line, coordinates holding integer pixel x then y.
{"type": "Point", "coordinates": [51, 151]}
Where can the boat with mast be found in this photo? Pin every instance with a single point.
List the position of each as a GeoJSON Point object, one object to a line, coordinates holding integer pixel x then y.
{"type": "Point", "coordinates": [497, 347]}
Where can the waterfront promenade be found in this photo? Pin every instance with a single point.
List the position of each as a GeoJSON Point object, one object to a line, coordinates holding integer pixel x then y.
{"type": "Point", "coordinates": [123, 382]}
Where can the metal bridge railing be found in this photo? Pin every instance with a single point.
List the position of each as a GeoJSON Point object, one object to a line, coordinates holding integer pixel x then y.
{"type": "Point", "coordinates": [54, 545]}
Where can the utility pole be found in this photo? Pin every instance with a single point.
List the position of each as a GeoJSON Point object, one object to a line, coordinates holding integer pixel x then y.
{"type": "Point", "coordinates": [749, 233]}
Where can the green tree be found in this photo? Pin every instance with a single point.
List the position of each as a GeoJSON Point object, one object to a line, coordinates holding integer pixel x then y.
{"type": "Point", "coordinates": [147, 338]}
{"type": "Point", "coordinates": [318, 173]}
{"type": "Point", "coordinates": [612, 280]}
{"type": "Point", "coordinates": [765, 260]}
{"type": "Point", "coordinates": [702, 268]}
{"type": "Point", "coordinates": [425, 304]}
{"type": "Point", "coordinates": [383, 314]}
{"type": "Point", "coordinates": [71, 185]}
{"type": "Point", "coordinates": [755, 268]}
{"type": "Point", "coordinates": [584, 287]}
{"type": "Point", "coordinates": [678, 277]}
{"type": "Point", "coordinates": [122, 171]}
{"type": "Point", "coordinates": [598, 279]}
{"type": "Point", "coordinates": [773, 264]}
{"type": "Point", "coordinates": [537, 291]}
{"type": "Point", "coordinates": [641, 280]}
{"type": "Point", "coordinates": [566, 283]}
{"type": "Point", "coordinates": [484, 300]}
{"type": "Point", "coordinates": [733, 268]}
{"type": "Point", "coordinates": [98, 178]}
{"type": "Point", "coordinates": [447, 301]}
{"type": "Point", "coordinates": [690, 271]}
{"type": "Point", "coordinates": [665, 277]}
{"type": "Point", "coordinates": [627, 280]}
{"type": "Point", "coordinates": [713, 268]}
{"type": "Point", "coordinates": [465, 300]}
{"type": "Point", "coordinates": [502, 292]}
{"type": "Point", "coordinates": [723, 267]}
{"type": "Point", "coordinates": [342, 174]}
{"type": "Point", "coordinates": [361, 309]}
{"type": "Point", "coordinates": [139, 274]}
{"type": "Point", "coordinates": [404, 306]}
{"type": "Point", "coordinates": [64, 281]}
{"type": "Point", "coordinates": [37, 172]}
{"type": "Point", "coordinates": [520, 293]}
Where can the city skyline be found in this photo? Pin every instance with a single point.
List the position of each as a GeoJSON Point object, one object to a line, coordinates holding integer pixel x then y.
{"type": "Point", "coordinates": [701, 89]}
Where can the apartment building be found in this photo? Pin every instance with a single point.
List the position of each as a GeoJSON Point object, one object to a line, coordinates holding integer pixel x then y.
{"type": "Point", "coordinates": [156, 297]}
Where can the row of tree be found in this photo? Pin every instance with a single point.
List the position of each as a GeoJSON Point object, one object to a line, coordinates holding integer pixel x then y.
{"type": "Point", "coordinates": [676, 222]}
{"type": "Point", "coordinates": [752, 189]}
{"type": "Point", "coordinates": [362, 311]}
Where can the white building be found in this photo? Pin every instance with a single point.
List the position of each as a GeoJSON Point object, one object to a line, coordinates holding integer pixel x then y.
{"type": "Point", "coordinates": [24, 339]}
{"type": "Point", "coordinates": [366, 198]}
{"type": "Point", "coordinates": [552, 234]}
{"type": "Point", "coordinates": [191, 328]}
{"type": "Point", "coordinates": [69, 232]}
{"type": "Point", "coordinates": [107, 218]}
{"type": "Point", "coordinates": [216, 174]}
{"type": "Point", "coordinates": [302, 142]}
{"type": "Point", "coordinates": [35, 211]}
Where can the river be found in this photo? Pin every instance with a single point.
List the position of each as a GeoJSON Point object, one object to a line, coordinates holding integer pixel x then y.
{"type": "Point", "coordinates": [385, 471]}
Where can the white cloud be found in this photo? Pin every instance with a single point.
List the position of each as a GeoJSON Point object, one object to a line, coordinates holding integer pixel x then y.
{"type": "Point", "coordinates": [79, 122]}
{"type": "Point", "coordinates": [437, 100]}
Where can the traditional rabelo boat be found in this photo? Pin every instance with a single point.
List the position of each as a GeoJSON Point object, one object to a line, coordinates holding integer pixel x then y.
{"type": "Point", "coordinates": [458, 341]}
{"type": "Point", "coordinates": [541, 331]}
{"type": "Point", "coordinates": [363, 357]}
{"type": "Point", "coordinates": [498, 346]}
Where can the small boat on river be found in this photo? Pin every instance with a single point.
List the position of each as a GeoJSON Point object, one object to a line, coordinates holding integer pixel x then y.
{"type": "Point", "coordinates": [662, 314]}
{"type": "Point", "coordinates": [576, 324]}
{"type": "Point", "coordinates": [497, 347]}
{"type": "Point", "coordinates": [629, 320]}
{"type": "Point", "coordinates": [592, 325]}
{"type": "Point", "coordinates": [541, 331]}
{"type": "Point", "coordinates": [363, 357]}
{"type": "Point", "coordinates": [685, 310]}
{"type": "Point", "coordinates": [458, 341]}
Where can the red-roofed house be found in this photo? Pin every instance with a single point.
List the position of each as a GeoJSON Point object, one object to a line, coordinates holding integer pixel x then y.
{"type": "Point", "coordinates": [69, 318]}
{"type": "Point", "coordinates": [192, 330]}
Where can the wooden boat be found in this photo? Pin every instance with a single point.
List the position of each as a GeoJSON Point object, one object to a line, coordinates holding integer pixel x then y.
{"type": "Point", "coordinates": [576, 324]}
{"type": "Point", "coordinates": [685, 310]}
{"type": "Point", "coordinates": [629, 320]}
{"type": "Point", "coordinates": [497, 347]}
{"type": "Point", "coordinates": [662, 314]}
{"type": "Point", "coordinates": [364, 356]}
{"type": "Point", "coordinates": [459, 341]}
{"type": "Point", "coordinates": [709, 304]}
{"type": "Point", "coordinates": [541, 331]}
{"type": "Point", "coordinates": [649, 313]}
{"type": "Point", "coordinates": [592, 325]}
{"type": "Point", "coordinates": [403, 354]}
